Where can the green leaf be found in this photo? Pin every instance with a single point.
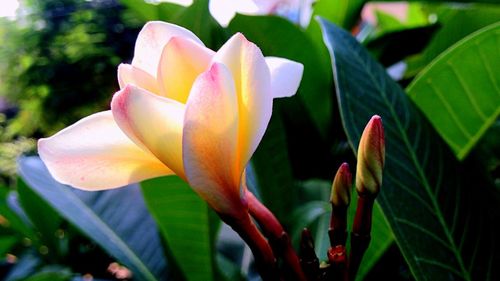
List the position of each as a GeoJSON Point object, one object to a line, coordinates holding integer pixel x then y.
{"type": "Point", "coordinates": [147, 11]}
{"type": "Point", "coordinates": [272, 183]}
{"type": "Point", "coordinates": [6, 243]}
{"type": "Point", "coordinates": [196, 18]}
{"type": "Point", "coordinates": [456, 21]}
{"type": "Point", "coordinates": [54, 275]}
{"type": "Point", "coordinates": [186, 225]}
{"type": "Point", "coordinates": [344, 13]}
{"type": "Point", "coordinates": [305, 216]}
{"type": "Point", "coordinates": [14, 222]}
{"type": "Point", "coordinates": [128, 234]}
{"type": "Point", "coordinates": [42, 215]}
{"type": "Point", "coordinates": [446, 1]}
{"type": "Point", "coordinates": [321, 238]}
{"type": "Point", "coordinates": [459, 91]}
{"type": "Point", "coordinates": [443, 225]}
{"type": "Point", "coordinates": [392, 47]}
{"type": "Point", "coordinates": [316, 84]}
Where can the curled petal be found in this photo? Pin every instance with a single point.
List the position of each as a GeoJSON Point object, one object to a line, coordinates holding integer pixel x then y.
{"type": "Point", "coordinates": [285, 76]}
{"type": "Point", "coordinates": [182, 60]}
{"type": "Point", "coordinates": [129, 74]}
{"type": "Point", "coordinates": [152, 122]}
{"type": "Point", "coordinates": [210, 140]}
{"type": "Point", "coordinates": [253, 88]}
{"type": "Point", "coordinates": [151, 40]}
{"type": "Point", "coordinates": [94, 154]}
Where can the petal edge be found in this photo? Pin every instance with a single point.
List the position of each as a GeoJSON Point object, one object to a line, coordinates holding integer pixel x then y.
{"type": "Point", "coordinates": [94, 154]}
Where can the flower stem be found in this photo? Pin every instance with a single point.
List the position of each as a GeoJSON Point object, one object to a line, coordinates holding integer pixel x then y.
{"type": "Point", "coordinates": [262, 251]}
{"type": "Point", "coordinates": [360, 236]}
{"type": "Point", "coordinates": [338, 226]}
{"type": "Point", "coordinates": [279, 239]}
{"type": "Point", "coordinates": [308, 258]}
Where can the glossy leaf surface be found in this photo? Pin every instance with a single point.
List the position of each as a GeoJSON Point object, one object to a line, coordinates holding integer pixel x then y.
{"type": "Point", "coordinates": [441, 219]}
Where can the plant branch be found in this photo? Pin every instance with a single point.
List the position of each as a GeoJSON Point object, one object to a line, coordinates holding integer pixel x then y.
{"type": "Point", "coordinates": [279, 239]}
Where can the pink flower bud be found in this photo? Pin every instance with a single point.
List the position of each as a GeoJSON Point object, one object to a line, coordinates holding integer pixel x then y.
{"type": "Point", "coordinates": [341, 187]}
{"type": "Point", "coordinates": [371, 158]}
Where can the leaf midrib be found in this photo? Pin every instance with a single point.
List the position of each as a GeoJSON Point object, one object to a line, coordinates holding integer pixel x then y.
{"type": "Point", "coordinates": [434, 202]}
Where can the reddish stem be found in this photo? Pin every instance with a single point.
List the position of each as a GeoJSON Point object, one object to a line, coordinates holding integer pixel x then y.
{"type": "Point", "coordinates": [363, 219]}
{"type": "Point", "coordinates": [360, 238]}
{"type": "Point", "coordinates": [308, 259]}
{"type": "Point", "coordinates": [280, 241]}
{"type": "Point", "coordinates": [338, 226]}
{"type": "Point", "coordinates": [262, 251]}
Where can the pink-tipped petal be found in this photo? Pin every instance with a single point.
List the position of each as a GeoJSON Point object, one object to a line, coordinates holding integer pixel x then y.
{"type": "Point", "coordinates": [210, 140]}
{"type": "Point", "coordinates": [253, 88]}
{"type": "Point", "coordinates": [181, 62]}
{"type": "Point", "coordinates": [285, 76]}
{"type": "Point", "coordinates": [129, 74]}
{"type": "Point", "coordinates": [152, 122]}
{"type": "Point", "coordinates": [94, 154]}
{"type": "Point", "coordinates": [151, 40]}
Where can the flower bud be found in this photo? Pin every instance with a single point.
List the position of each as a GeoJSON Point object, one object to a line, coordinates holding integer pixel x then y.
{"type": "Point", "coordinates": [341, 187]}
{"type": "Point", "coordinates": [371, 158]}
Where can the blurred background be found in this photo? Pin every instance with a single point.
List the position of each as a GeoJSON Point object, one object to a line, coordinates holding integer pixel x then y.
{"type": "Point", "coordinates": [58, 63]}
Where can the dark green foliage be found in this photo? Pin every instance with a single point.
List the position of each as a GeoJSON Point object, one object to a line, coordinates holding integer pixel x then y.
{"type": "Point", "coordinates": [58, 62]}
{"type": "Point", "coordinates": [442, 215]}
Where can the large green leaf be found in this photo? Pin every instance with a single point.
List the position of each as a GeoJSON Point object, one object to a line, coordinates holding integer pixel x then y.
{"type": "Point", "coordinates": [43, 217]}
{"type": "Point", "coordinates": [447, 1]}
{"type": "Point", "coordinates": [272, 182]}
{"type": "Point", "coordinates": [196, 18]}
{"type": "Point", "coordinates": [392, 47]}
{"type": "Point", "coordinates": [185, 222]}
{"type": "Point", "coordinates": [456, 22]}
{"type": "Point", "coordinates": [344, 13]}
{"type": "Point", "coordinates": [15, 223]}
{"type": "Point", "coordinates": [440, 216]}
{"type": "Point", "coordinates": [6, 243]}
{"type": "Point", "coordinates": [128, 234]}
{"type": "Point", "coordinates": [459, 91]}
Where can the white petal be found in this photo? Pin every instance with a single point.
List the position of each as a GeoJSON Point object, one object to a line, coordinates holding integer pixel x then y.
{"type": "Point", "coordinates": [151, 40]}
{"type": "Point", "coordinates": [285, 76]}
{"type": "Point", "coordinates": [253, 88]}
{"type": "Point", "coordinates": [152, 122]}
{"type": "Point", "coordinates": [94, 154]}
{"type": "Point", "coordinates": [210, 140]}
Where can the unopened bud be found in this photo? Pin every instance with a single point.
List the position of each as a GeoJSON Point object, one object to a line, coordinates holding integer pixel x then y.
{"type": "Point", "coordinates": [371, 158]}
{"type": "Point", "coordinates": [341, 187]}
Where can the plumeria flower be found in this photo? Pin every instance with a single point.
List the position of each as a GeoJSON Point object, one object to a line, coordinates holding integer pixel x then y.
{"type": "Point", "coordinates": [181, 109]}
